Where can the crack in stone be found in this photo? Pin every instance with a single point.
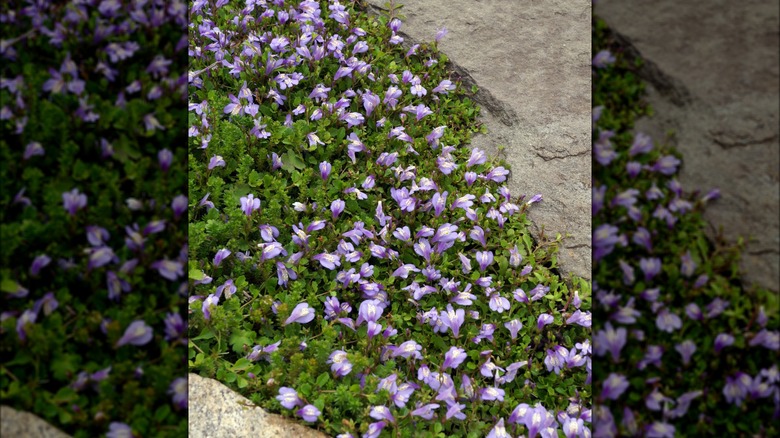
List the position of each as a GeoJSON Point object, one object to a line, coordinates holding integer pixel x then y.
{"type": "Point", "coordinates": [560, 157]}
{"type": "Point", "coordinates": [665, 84]}
{"type": "Point", "coordinates": [740, 144]}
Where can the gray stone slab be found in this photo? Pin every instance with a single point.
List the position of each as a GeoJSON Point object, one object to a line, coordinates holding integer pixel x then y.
{"type": "Point", "coordinates": [531, 61]}
{"type": "Point", "coordinates": [19, 424]}
{"type": "Point", "coordinates": [714, 71]}
{"type": "Point", "coordinates": [216, 411]}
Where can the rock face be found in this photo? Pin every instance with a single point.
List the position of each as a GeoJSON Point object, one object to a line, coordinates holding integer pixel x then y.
{"type": "Point", "coordinates": [531, 62]}
{"type": "Point", "coordinates": [714, 73]}
{"type": "Point", "coordinates": [20, 424]}
{"type": "Point", "coordinates": [216, 411]}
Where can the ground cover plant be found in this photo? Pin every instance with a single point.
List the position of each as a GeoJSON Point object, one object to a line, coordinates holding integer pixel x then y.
{"type": "Point", "coordinates": [93, 197]}
{"type": "Point", "coordinates": [353, 263]}
{"type": "Point", "coordinates": [682, 349]}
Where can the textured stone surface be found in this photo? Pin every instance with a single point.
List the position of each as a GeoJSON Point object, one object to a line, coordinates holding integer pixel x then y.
{"type": "Point", "coordinates": [714, 72]}
{"type": "Point", "coordinates": [531, 61]}
{"type": "Point", "coordinates": [20, 424]}
{"type": "Point", "coordinates": [216, 411]}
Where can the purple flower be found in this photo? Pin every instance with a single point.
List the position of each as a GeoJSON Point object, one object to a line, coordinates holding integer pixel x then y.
{"type": "Point", "coordinates": [178, 390]}
{"type": "Point", "coordinates": [328, 261]}
{"type": "Point", "coordinates": [179, 206]}
{"type": "Point", "coordinates": [370, 311]}
{"type": "Point", "coordinates": [119, 430]}
{"type": "Point", "coordinates": [642, 144]}
{"type": "Point", "coordinates": [221, 255]}
{"type": "Point", "coordinates": [381, 413]}
{"type": "Point", "coordinates": [492, 393]}
{"type": "Point", "coordinates": [211, 300]}
{"type": "Point", "coordinates": [660, 430]}
{"type": "Point", "coordinates": [288, 397]}
{"type": "Point", "coordinates": [485, 259]}
{"type": "Point", "coordinates": [722, 341]}
{"type": "Point", "coordinates": [137, 333]}
{"type": "Point", "coordinates": [175, 326]}
{"type": "Point", "coordinates": [543, 320]}
{"type": "Point", "coordinates": [513, 326]}
{"type": "Point", "coordinates": [667, 321]}
{"type": "Point", "coordinates": [27, 317]}
{"type": "Point", "coordinates": [336, 207]}
{"type": "Point", "coordinates": [556, 359]}
{"type": "Point", "coordinates": [340, 365]}
{"type": "Point", "coordinates": [686, 350]}
{"type": "Point", "coordinates": [603, 59]}
{"type": "Point", "coordinates": [74, 201]}
{"type": "Point", "coordinates": [650, 266]}
{"type": "Point", "coordinates": [309, 413]}
{"type": "Point", "coordinates": [614, 386]}
{"type": "Point", "coordinates": [165, 157]}
{"type": "Point", "coordinates": [302, 314]}
{"type": "Point", "coordinates": [425, 411]}
{"type": "Point", "coordinates": [100, 257]}
{"type": "Point", "coordinates": [611, 340]}
{"type": "Point", "coordinates": [39, 263]}
{"type": "Point", "coordinates": [249, 204]}
{"type": "Point", "coordinates": [325, 168]}
{"type": "Point", "coordinates": [33, 149]}
{"type": "Point", "coordinates": [216, 161]}
{"type": "Point", "coordinates": [408, 349]}
{"type": "Point", "coordinates": [453, 358]}
{"type": "Point", "coordinates": [666, 165]}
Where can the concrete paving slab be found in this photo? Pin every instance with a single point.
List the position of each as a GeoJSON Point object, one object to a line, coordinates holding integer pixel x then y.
{"type": "Point", "coordinates": [714, 73]}
{"type": "Point", "coordinates": [531, 61]}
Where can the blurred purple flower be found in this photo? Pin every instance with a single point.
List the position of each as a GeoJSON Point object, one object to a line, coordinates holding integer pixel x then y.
{"type": "Point", "coordinates": [137, 333]}
{"type": "Point", "coordinates": [74, 201]}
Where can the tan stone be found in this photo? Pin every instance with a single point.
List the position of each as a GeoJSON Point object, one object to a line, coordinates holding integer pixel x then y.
{"type": "Point", "coordinates": [20, 424]}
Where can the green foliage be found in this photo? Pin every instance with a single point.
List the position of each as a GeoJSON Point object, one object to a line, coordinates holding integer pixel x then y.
{"type": "Point", "coordinates": [44, 360]}
{"type": "Point", "coordinates": [243, 341]}
{"type": "Point", "coordinates": [619, 91]}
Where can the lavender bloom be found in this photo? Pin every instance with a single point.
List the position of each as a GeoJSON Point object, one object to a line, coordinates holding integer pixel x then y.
{"type": "Point", "coordinates": [453, 358]}
{"type": "Point", "coordinates": [485, 259]}
{"type": "Point", "coordinates": [178, 390]}
{"type": "Point", "coordinates": [328, 261]}
{"type": "Point", "coordinates": [543, 320]}
{"type": "Point", "coordinates": [175, 326]}
{"type": "Point", "coordinates": [74, 201]}
{"type": "Point", "coordinates": [477, 157]}
{"type": "Point", "coordinates": [650, 267]}
{"type": "Point", "coordinates": [409, 349]}
{"type": "Point", "coordinates": [119, 430]}
{"type": "Point", "coordinates": [221, 255]}
{"type": "Point", "coordinates": [370, 311]}
{"type": "Point", "coordinates": [722, 341]}
{"type": "Point", "coordinates": [309, 413]}
{"type": "Point", "coordinates": [660, 430]}
{"type": "Point", "coordinates": [492, 393]}
{"type": "Point", "coordinates": [666, 165]}
{"type": "Point", "coordinates": [610, 339]}
{"type": "Point", "coordinates": [179, 206]}
{"type": "Point", "coordinates": [27, 317]}
{"type": "Point", "coordinates": [211, 300]}
{"type": "Point", "coordinates": [499, 430]}
{"type": "Point", "coordinates": [288, 397]}
{"type": "Point", "coordinates": [39, 263]}
{"type": "Point", "coordinates": [216, 161]}
{"type": "Point", "coordinates": [249, 204]}
{"type": "Point", "coordinates": [340, 365]}
{"type": "Point", "coordinates": [555, 359]}
{"type": "Point", "coordinates": [642, 144]}
{"type": "Point", "coordinates": [425, 411]}
{"type": "Point", "coordinates": [652, 357]}
{"type": "Point", "coordinates": [603, 59]}
{"type": "Point", "coordinates": [453, 319]}
{"type": "Point", "coordinates": [614, 386]}
{"type": "Point", "coordinates": [33, 149]}
{"type": "Point", "coordinates": [667, 321]}
{"type": "Point", "coordinates": [137, 333]}
{"type": "Point", "coordinates": [165, 157]}
{"type": "Point", "coordinates": [686, 350]}
{"type": "Point", "coordinates": [513, 326]}
{"type": "Point", "coordinates": [499, 304]}
{"type": "Point", "coordinates": [336, 207]}
{"type": "Point", "coordinates": [302, 314]}
{"type": "Point", "coordinates": [325, 169]}
{"type": "Point", "coordinates": [99, 257]}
